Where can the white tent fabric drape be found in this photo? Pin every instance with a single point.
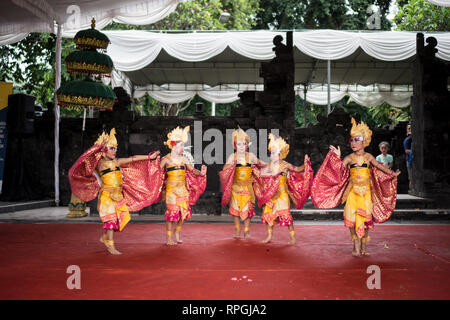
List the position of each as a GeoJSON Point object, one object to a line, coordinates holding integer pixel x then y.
{"type": "Point", "coordinates": [212, 94]}
{"type": "Point", "coordinates": [20, 17]}
{"type": "Point", "coordinates": [442, 3]}
{"type": "Point", "coordinates": [24, 16]}
{"type": "Point", "coordinates": [12, 38]}
{"type": "Point", "coordinates": [133, 50]}
{"type": "Point", "coordinates": [369, 96]}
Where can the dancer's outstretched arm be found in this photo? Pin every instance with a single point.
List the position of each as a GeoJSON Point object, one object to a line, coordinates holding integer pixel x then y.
{"type": "Point", "coordinates": [337, 152]}
{"type": "Point", "coordinates": [191, 167]}
{"type": "Point", "coordinates": [125, 161]}
{"type": "Point", "coordinates": [254, 160]}
{"type": "Point", "coordinates": [301, 168]}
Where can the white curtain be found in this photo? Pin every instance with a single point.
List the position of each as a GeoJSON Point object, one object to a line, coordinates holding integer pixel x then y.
{"type": "Point", "coordinates": [12, 38]}
{"type": "Point", "coordinates": [383, 45]}
{"type": "Point", "coordinates": [176, 93]}
{"type": "Point", "coordinates": [24, 16]}
{"type": "Point", "coordinates": [133, 50]}
{"type": "Point", "coordinates": [368, 96]}
{"type": "Point", "coordinates": [442, 3]}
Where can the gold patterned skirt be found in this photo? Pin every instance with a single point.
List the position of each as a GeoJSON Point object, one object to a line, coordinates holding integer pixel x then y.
{"type": "Point", "coordinates": [111, 205]}
{"type": "Point", "coordinates": [358, 207]}
{"type": "Point", "coordinates": [177, 197]}
{"type": "Point", "coordinates": [279, 207]}
{"type": "Point", "coordinates": [242, 202]}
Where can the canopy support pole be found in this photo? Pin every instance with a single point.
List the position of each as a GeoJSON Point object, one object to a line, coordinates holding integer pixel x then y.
{"type": "Point", "coordinates": [329, 86]}
{"type": "Point", "coordinates": [56, 109]}
{"type": "Point", "coordinates": [305, 89]}
{"type": "Point", "coordinates": [213, 106]}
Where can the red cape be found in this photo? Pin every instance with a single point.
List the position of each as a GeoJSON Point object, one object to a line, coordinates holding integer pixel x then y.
{"type": "Point", "coordinates": [332, 179]}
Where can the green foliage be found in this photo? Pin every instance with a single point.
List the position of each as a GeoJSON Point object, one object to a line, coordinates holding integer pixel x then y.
{"type": "Point", "coordinates": [421, 15]}
{"type": "Point", "coordinates": [319, 14]}
{"type": "Point", "coordinates": [375, 117]}
{"type": "Point", "coordinates": [29, 64]}
{"type": "Point", "coordinates": [203, 15]}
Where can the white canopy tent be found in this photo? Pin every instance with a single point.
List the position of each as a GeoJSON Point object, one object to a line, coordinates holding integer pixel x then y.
{"type": "Point", "coordinates": [372, 67]}
{"type": "Point", "coordinates": [20, 17]}
{"type": "Point", "coordinates": [442, 3]}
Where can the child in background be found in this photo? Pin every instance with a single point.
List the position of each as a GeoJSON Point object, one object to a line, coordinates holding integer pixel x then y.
{"type": "Point", "coordinates": [385, 158]}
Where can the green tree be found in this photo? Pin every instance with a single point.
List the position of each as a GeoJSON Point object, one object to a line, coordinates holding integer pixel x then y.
{"type": "Point", "coordinates": [319, 14]}
{"type": "Point", "coordinates": [203, 15]}
{"type": "Point", "coordinates": [197, 15]}
{"type": "Point", "coordinates": [421, 15]}
{"type": "Point", "coordinates": [29, 64]}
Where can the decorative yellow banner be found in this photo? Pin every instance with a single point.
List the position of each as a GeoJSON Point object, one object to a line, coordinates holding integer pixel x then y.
{"type": "Point", "coordinates": [6, 88]}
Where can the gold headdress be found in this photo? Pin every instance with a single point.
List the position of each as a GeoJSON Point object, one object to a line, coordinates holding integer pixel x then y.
{"type": "Point", "coordinates": [361, 130]}
{"type": "Point", "coordinates": [240, 135]}
{"type": "Point", "coordinates": [176, 135]}
{"type": "Point", "coordinates": [279, 144]}
{"type": "Point", "coordinates": [108, 139]}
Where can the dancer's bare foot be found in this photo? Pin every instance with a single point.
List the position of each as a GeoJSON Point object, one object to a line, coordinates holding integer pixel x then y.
{"type": "Point", "coordinates": [177, 236]}
{"type": "Point", "coordinates": [237, 233]}
{"type": "Point", "coordinates": [110, 246]}
{"type": "Point", "coordinates": [268, 238]}
{"type": "Point", "coordinates": [364, 247]}
{"type": "Point", "coordinates": [292, 240]}
{"type": "Point", "coordinates": [356, 248]}
{"type": "Point", "coordinates": [246, 233]}
{"type": "Point", "coordinates": [113, 250]}
{"type": "Point", "coordinates": [169, 240]}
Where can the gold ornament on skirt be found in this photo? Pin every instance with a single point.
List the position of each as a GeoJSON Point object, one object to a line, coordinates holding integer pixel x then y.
{"type": "Point", "coordinates": [177, 135]}
{"type": "Point", "coordinates": [361, 130]}
{"type": "Point", "coordinates": [279, 144]}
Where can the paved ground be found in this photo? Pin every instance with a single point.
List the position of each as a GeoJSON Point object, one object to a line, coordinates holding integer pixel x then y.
{"type": "Point", "coordinates": [58, 215]}
{"type": "Point", "coordinates": [410, 261]}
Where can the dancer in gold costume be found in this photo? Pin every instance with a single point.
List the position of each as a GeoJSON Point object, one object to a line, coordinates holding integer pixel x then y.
{"type": "Point", "coordinates": [237, 179]}
{"type": "Point", "coordinates": [119, 179]}
{"type": "Point", "coordinates": [368, 188]}
{"type": "Point", "coordinates": [280, 182]}
{"type": "Point", "coordinates": [183, 184]}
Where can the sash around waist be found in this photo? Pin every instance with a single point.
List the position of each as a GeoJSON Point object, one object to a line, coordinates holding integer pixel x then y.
{"type": "Point", "coordinates": [111, 189]}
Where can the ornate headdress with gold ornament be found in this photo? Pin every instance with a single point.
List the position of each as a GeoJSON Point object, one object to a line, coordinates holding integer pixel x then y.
{"type": "Point", "coordinates": [176, 135]}
{"type": "Point", "coordinates": [240, 135]}
{"type": "Point", "coordinates": [108, 139]}
{"type": "Point", "coordinates": [361, 130]}
{"type": "Point", "coordinates": [279, 144]}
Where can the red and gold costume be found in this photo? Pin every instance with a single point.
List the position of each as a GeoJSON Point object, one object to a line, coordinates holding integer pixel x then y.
{"type": "Point", "coordinates": [182, 186]}
{"type": "Point", "coordinates": [275, 191]}
{"type": "Point", "coordinates": [369, 194]}
{"type": "Point", "coordinates": [237, 183]}
{"type": "Point", "coordinates": [123, 189]}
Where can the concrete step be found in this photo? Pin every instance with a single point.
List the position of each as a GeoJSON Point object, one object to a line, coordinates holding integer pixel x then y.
{"type": "Point", "coordinates": [399, 214]}
{"type": "Point", "coordinates": [7, 207]}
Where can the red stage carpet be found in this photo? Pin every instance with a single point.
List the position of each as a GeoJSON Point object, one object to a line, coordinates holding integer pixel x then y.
{"type": "Point", "coordinates": [211, 265]}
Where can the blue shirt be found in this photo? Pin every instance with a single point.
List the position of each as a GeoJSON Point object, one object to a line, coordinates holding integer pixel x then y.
{"type": "Point", "coordinates": [407, 145]}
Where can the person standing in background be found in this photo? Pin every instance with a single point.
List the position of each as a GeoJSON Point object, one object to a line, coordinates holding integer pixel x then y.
{"type": "Point", "coordinates": [407, 145]}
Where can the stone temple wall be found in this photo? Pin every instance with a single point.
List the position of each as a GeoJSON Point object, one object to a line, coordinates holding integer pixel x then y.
{"type": "Point", "coordinates": [140, 135]}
